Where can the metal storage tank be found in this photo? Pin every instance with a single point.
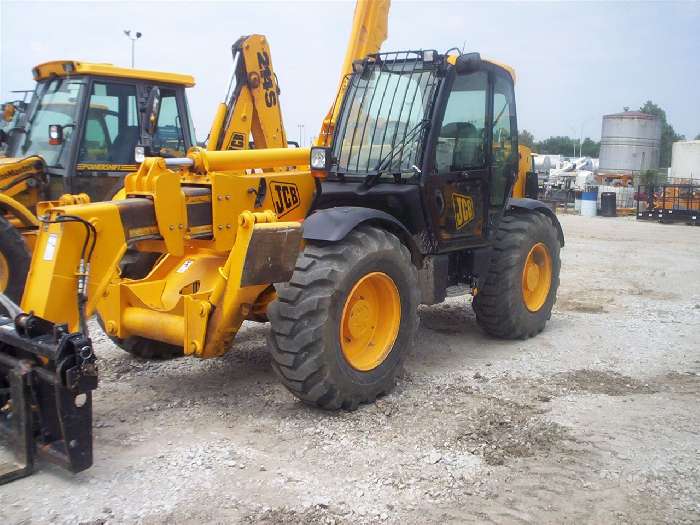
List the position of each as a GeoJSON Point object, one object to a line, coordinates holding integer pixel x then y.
{"type": "Point", "coordinates": [685, 160]}
{"type": "Point", "coordinates": [630, 142]}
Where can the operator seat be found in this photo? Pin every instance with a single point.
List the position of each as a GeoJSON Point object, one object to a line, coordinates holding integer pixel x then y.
{"type": "Point", "coordinates": [122, 149]}
{"type": "Point", "coordinates": [468, 146]}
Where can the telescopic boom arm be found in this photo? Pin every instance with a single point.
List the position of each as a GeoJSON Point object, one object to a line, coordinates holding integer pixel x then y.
{"type": "Point", "coordinates": [369, 31]}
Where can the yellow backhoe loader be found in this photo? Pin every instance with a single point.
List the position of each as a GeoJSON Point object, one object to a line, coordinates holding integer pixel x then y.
{"type": "Point", "coordinates": [76, 140]}
{"type": "Point", "coordinates": [407, 199]}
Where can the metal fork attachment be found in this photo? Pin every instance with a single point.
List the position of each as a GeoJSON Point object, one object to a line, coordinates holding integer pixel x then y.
{"type": "Point", "coordinates": [47, 376]}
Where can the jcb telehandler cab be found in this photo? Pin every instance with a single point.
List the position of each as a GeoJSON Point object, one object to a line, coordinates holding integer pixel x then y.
{"type": "Point", "coordinates": [75, 141]}
{"type": "Point", "coordinates": [413, 204]}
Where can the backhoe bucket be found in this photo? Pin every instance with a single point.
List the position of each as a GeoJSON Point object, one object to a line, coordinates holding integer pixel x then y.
{"type": "Point", "coordinates": [46, 380]}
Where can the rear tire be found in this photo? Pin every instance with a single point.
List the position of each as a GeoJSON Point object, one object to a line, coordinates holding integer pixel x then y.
{"type": "Point", "coordinates": [144, 348]}
{"type": "Point", "coordinates": [500, 305]}
{"type": "Point", "coordinates": [137, 265]}
{"type": "Point", "coordinates": [148, 348]}
{"type": "Point", "coordinates": [14, 262]}
{"type": "Point", "coordinates": [316, 306]}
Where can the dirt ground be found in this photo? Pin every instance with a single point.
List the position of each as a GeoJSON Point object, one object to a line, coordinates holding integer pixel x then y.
{"type": "Point", "coordinates": [596, 420]}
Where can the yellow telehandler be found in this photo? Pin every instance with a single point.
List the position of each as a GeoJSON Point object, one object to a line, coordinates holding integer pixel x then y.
{"type": "Point", "coordinates": [408, 198]}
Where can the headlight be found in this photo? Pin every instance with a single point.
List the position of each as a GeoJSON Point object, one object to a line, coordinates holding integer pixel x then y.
{"type": "Point", "coordinates": [429, 55]}
{"type": "Point", "coordinates": [319, 158]}
{"type": "Point", "coordinates": [139, 154]}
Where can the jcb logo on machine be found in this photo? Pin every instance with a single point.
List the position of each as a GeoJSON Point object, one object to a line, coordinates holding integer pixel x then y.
{"type": "Point", "coordinates": [267, 82]}
{"type": "Point", "coordinates": [285, 197]}
{"type": "Point", "coordinates": [237, 141]}
{"type": "Point", "coordinates": [464, 209]}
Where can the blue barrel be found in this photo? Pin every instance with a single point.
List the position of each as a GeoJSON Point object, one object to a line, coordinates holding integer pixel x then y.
{"type": "Point", "coordinates": [589, 203]}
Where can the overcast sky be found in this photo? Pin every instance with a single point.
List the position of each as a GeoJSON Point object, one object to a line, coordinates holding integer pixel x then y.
{"type": "Point", "coordinates": [575, 61]}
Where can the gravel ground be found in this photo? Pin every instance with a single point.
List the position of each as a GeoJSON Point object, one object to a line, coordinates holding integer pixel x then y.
{"type": "Point", "coordinates": [595, 420]}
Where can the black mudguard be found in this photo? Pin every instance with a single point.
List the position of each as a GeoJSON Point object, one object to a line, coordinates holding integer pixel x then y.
{"type": "Point", "coordinates": [541, 207]}
{"type": "Point", "coordinates": [333, 224]}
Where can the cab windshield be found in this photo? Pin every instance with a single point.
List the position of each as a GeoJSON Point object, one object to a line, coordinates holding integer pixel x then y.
{"type": "Point", "coordinates": [383, 118]}
{"type": "Point", "coordinates": [58, 102]}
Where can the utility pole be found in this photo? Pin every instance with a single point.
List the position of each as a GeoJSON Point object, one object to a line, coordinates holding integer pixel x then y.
{"type": "Point", "coordinates": [133, 39]}
{"type": "Point", "coordinates": [301, 137]}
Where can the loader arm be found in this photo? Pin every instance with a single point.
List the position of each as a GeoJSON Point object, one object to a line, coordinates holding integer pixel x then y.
{"type": "Point", "coordinates": [369, 30]}
{"type": "Point", "coordinates": [21, 184]}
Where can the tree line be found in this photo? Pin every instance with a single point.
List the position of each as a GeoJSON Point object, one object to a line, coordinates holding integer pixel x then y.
{"type": "Point", "coordinates": [568, 146]}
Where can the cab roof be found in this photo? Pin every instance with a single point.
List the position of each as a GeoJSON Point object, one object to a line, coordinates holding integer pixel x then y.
{"type": "Point", "coordinates": [64, 68]}
{"type": "Point", "coordinates": [508, 69]}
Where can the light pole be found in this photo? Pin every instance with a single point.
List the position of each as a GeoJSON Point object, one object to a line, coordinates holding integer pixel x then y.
{"type": "Point", "coordinates": [301, 131]}
{"type": "Point", "coordinates": [580, 140]}
{"type": "Point", "coordinates": [573, 138]}
{"type": "Point", "coordinates": [133, 39]}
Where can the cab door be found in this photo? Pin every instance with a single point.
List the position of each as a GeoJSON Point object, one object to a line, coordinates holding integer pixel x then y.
{"type": "Point", "coordinates": [112, 129]}
{"type": "Point", "coordinates": [473, 161]}
{"type": "Point", "coordinates": [172, 136]}
{"type": "Point", "coordinates": [457, 183]}
{"type": "Point", "coordinates": [110, 134]}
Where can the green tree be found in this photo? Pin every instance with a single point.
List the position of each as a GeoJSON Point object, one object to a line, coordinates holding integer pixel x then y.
{"type": "Point", "coordinates": [697, 137]}
{"type": "Point", "coordinates": [556, 146]}
{"type": "Point", "coordinates": [590, 148]}
{"type": "Point", "coordinates": [526, 138]}
{"type": "Point", "coordinates": [566, 145]}
{"type": "Point", "coordinates": [668, 134]}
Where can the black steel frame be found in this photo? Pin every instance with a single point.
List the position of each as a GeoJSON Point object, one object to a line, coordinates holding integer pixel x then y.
{"type": "Point", "coordinates": [669, 203]}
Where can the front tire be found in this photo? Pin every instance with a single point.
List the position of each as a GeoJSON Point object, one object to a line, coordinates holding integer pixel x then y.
{"type": "Point", "coordinates": [517, 297]}
{"type": "Point", "coordinates": [14, 261]}
{"type": "Point", "coordinates": [343, 325]}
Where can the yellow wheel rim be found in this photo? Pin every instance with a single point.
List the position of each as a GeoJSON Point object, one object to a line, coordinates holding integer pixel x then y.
{"type": "Point", "coordinates": [4, 273]}
{"type": "Point", "coordinates": [370, 321]}
{"type": "Point", "coordinates": [537, 277]}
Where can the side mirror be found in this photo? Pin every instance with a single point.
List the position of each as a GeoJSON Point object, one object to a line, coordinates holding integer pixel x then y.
{"type": "Point", "coordinates": [55, 134]}
{"type": "Point", "coordinates": [152, 110]}
{"type": "Point", "coordinates": [467, 63]}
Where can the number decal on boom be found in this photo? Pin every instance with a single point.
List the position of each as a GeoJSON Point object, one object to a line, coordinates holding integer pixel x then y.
{"type": "Point", "coordinates": [267, 81]}
{"type": "Point", "coordinates": [464, 209]}
{"type": "Point", "coordinates": [285, 197]}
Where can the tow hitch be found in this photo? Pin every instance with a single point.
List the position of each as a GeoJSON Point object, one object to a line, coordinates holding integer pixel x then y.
{"type": "Point", "coordinates": [47, 376]}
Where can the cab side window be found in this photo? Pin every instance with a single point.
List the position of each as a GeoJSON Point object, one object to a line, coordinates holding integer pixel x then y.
{"type": "Point", "coordinates": [112, 131]}
{"type": "Point", "coordinates": [503, 147]}
{"type": "Point", "coordinates": [462, 139]}
{"type": "Point", "coordinates": [168, 139]}
{"type": "Point", "coordinates": [96, 141]}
